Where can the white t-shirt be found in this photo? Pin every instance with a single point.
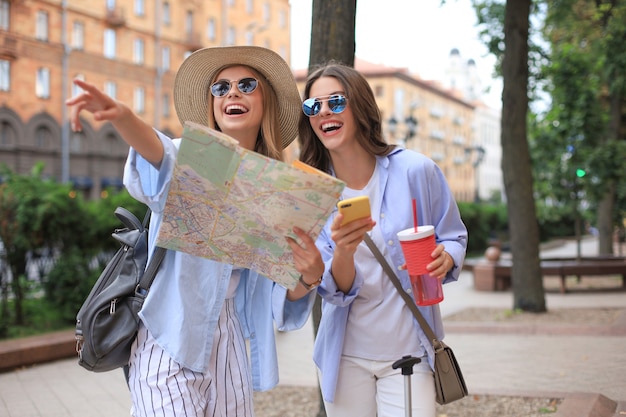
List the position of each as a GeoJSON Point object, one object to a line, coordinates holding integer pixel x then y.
{"type": "Point", "coordinates": [380, 325]}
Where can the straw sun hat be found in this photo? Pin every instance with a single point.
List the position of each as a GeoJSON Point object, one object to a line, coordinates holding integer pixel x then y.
{"type": "Point", "coordinates": [191, 86]}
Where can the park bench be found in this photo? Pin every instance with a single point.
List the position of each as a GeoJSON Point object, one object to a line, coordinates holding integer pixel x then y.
{"type": "Point", "coordinates": [496, 276]}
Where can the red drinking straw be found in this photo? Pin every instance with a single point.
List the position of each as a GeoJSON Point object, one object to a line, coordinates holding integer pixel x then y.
{"type": "Point", "coordinates": [415, 215]}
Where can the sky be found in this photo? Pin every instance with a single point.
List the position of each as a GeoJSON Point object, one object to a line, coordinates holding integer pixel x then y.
{"type": "Point", "coordinates": [414, 34]}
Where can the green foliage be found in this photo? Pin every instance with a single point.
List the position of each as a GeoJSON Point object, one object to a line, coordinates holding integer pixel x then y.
{"type": "Point", "coordinates": [556, 221]}
{"type": "Point", "coordinates": [40, 215]}
{"type": "Point", "coordinates": [490, 18]}
{"type": "Point", "coordinates": [103, 220]}
{"type": "Point", "coordinates": [577, 149]}
{"type": "Point", "coordinates": [40, 317]}
{"type": "Point", "coordinates": [69, 282]}
{"type": "Point", "coordinates": [36, 213]}
{"type": "Point", "coordinates": [485, 224]}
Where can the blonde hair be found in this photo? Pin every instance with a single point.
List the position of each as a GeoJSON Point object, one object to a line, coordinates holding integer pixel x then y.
{"type": "Point", "coordinates": [269, 141]}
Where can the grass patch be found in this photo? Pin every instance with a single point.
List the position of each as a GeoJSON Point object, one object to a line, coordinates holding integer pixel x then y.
{"type": "Point", "coordinates": [39, 317]}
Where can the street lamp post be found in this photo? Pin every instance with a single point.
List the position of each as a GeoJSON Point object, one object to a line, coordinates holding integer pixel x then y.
{"type": "Point", "coordinates": [480, 155]}
{"type": "Point", "coordinates": [411, 128]}
{"type": "Point", "coordinates": [65, 130]}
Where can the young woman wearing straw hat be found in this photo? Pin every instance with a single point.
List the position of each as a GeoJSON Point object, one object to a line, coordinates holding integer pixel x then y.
{"type": "Point", "coordinates": [190, 354]}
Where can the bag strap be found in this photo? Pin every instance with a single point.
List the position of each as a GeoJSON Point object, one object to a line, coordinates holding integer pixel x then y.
{"type": "Point", "coordinates": [407, 299]}
{"type": "Point", "coordinates": [155, 261]}
{"type": "Point", "coordinates": [151, 270]}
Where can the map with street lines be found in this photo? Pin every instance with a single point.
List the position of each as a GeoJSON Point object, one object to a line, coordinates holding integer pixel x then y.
{"type": "Point", "coordinates": [236, 206]}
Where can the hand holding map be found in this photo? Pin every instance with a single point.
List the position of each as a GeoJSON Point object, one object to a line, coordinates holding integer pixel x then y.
{"type": "Point", "coordinates": [236, 206]}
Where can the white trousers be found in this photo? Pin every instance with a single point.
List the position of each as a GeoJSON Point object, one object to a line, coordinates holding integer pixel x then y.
{"type": "Point", "coordinates": [369, 388]}
{"type": "Point", "coordinates": [161, 387]}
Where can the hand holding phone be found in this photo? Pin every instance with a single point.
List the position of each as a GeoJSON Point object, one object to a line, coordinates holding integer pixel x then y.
{"type": "Point", "coordinates": [354, 208]}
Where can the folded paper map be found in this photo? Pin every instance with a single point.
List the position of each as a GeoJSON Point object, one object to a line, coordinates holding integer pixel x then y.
{"type": "Point", "coordinates": [236, 206]}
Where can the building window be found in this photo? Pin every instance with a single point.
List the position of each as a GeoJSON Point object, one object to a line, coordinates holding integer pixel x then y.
{"type": "Point", "coordinates": [266, 12]}
{"type": "Point", "coordinates": [138, 51]}
{"type": "Point", "coordinates": [110, 5]}
{"type": "Point", "coordinates": [43, 137]}
{"type": "Point", "coordinates": [249, 38]}
{"type": "Point", "coordinates": [76, 142]}
{"type": "Point", "coordinates": [166, 105]}
{"type": "Point", "coordinates": [41, 27]}
{"type": "Point", "coordinates": [109, 145]}
{"type": "Point", "coordinates": [7, 134]}
{"type": "Point", "coordinates": [140, 9]}
{"type": "Point", "coordinates": [110, 88]}
{"type": "Point", "coordinates": [189, 23]}
{"type": "Point", "coordinates": [167, 18]}
{"type": "Point", "coordinates": [76, 90]}
{"type": "Point", "coordinates": [5, 75]}
{"type": "Point", "coordinates": [165, 58]}
{"type": "Point", "coordinates": [139, 99]}
{"type": "Point", "coordinates": [282, 19]}
{"type": "Point", "coordinates": [78, 35]}
{"type": "Point", "coordinates": [250, 6]}
{"type": "Point", "coordinates": [109, 43]}
{"type": "Point", "coordinates": [5, 14]}
{"type": "Point", "coordinates": [42, 86]}
{"type": "Point", "coordinates": [210, 29]}
{"type": "Point", "coordinates": [230, 40]}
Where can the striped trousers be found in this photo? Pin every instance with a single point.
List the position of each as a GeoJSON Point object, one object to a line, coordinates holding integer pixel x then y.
{"type": "Point", "coordinates": [161, 387]}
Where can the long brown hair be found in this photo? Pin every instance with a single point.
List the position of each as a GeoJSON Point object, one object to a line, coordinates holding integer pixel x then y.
{"type": "Point", "coordinates": [268, 141]}
{"type": "Point", "coordinates": [364, 108]}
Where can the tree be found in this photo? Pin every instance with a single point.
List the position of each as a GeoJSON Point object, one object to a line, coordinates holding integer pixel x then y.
{"type": "Point", "coordinates": [528, 292]}
{"type": "Point", "coordinates": [588, 87]}
{"type": "Point", "coordinates": [512, 52]}
{"type": "Point", "coordinates": [332, 38]}
{"type": "Point", "coordinates": [35, 214]}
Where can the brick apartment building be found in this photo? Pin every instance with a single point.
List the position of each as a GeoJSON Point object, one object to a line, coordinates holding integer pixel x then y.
{"type": "Point", "coordinates": [131, 49]}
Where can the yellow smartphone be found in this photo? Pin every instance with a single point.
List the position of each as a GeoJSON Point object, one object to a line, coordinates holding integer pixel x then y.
{"type": "Point", "coordinates": [354, 208]}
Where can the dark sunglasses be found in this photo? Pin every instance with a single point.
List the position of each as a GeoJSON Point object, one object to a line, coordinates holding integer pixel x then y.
{"type": "Point", "coordinates": [336, 103]}
{"type": "Point", "coordinates": [246, 85]}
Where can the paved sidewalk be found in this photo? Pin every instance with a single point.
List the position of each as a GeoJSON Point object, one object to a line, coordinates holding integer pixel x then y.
{"type": "Point", "coordinates": [493, 363]}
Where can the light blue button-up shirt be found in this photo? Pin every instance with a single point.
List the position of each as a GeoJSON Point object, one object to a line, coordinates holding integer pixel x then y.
{"type": "Point", "coordinates": [182, 308]}
{"type": "Point", "coordinates": [403, 175]}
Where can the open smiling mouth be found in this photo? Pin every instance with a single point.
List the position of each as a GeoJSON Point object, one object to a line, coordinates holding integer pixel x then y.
{"type": "Point", "coordinates": [329, 127]}
{"type": "Point", "coordinates": [235, 109]}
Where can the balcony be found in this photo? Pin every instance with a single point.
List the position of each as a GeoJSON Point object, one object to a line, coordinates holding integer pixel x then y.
{"type": "Point", "coordinates": [8, 46]}
{"type": "Point", "coordinates": [115, 17]}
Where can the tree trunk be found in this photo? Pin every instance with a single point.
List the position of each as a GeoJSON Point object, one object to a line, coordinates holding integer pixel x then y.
{"type": "Point", "coordinates": [605, 221]}
{"type": "Point", "coordinates": [4, 301]}
{"type": "Point", "coordinates": [332, 32]}
{"type": "Point", "coordinates": [527, 282]}
{"type": "Point", "coordinates": [18, 277]}
{"type": "Point", "coordinates": [332, 38]}
{"type": "Point", "coordinates": [607, 204]}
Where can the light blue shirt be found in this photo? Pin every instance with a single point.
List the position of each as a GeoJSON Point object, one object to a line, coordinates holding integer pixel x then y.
{"type": "Point", "coordinates": [182, 308]}
{"type": "Point", "coordinates": [403, 175]}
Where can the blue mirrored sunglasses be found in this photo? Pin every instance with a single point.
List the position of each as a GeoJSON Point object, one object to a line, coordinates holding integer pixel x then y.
{"type": "Point", "coordinates": [246, 85]}
{"type": "Point", "coordinates": [336, 103]}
